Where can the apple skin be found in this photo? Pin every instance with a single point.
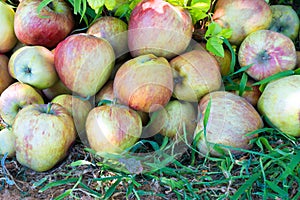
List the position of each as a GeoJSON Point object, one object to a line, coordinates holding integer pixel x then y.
{"type": "Point", "coordinates": [114, 30]}
{"type": "Point", "coordinates": [7, 142]}
{"type": "Point", "coordinates": [195, 74]}
{"type": "Point", "coordinates": [34, 65]}
{"type": "Point", "coordinates": [47, 31]}
{"type": "Point", "coordinates": [269, 52]}
{"type": "Point", "coordinates": [298, 59]}
{"type": "Point", "coordinates": [43, 136]}
{"type": "Point", "coordinates": [231, 117]}
{"type": "Point", "coordinates": [242, 17]}
{"type": "Point", "coordinates": [16, 97]}
{"type": "Point", "coordinates": [285, 20]}
{"type": "Point", "coordinates": [279, 102]}
{"type": "Point", "coordinates": [5, 78]}
{"type": "Point", "coordinates": [78, 109]}
{"type": "Point", "coordinates": [159, 28]}
{"type": "Point", "coordinates": [8, 37]}
{"type": "Point", "coordinates": [113, 128]}
{"type": "Point", "coordinates": [57, 89]}
{"type": "Point", "coordinates": [84, 63]}
{"type": "Point", "coordinates": [144, 83]}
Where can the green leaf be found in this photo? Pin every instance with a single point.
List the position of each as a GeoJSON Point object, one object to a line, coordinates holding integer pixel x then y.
{"type": "Point", "coordinates": [110, 4]}
{"type": "Point", "coordinates": [123, 11]}
{"type": "Point", "coordinates": [197, 14]}
{"type": "Point", "coordinates": [245, 186]}
{"type": "Point", "coordinates": [277, 189]}
{"type": "Point", "coordinates": [214, 45]}
{"type": "Point", "coordinates": [213, 29]}
{"type": "Point", "coordinates": [58, 183]}
{"type": "Point", "coordinates": [112, 189]}
{"type": "Point", "coordinates": [225, 33]}
{"type": "Point", "coordinates": [177, 2]}
{"type": "Point", "coordinates": [80, 162]}
{"type": "Point", "coordinates": [43, 4]}
{"type": "Point", "coordinates": [174, 184]}
{"type": "Point", "coordinates": [243, 84]}
{"type": "Point", "coordinates": [96, 4]}
{"type": "Point", "coordinates": [274, 77]}
{"type": "Point", "coordinates": [233, 57]}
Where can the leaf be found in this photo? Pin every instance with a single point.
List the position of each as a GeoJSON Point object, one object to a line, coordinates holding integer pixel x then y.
{"type": "Point", "coordinates": [112, 189]}
{"type": "Point", "coordinates": [225, 33]}
{"type": "Point", "coordinates": [214, 45]}
{"type": "Point", "coordinates": [277, 189]}
{"type": "Point", "coordinates": [58, 183]}
{"type": "Point", "coordinates": [177, 2]}
{"type": "Point", "coordinates": [80, 162]}
{"type": "Point", "coordinates": [174, 184]}
{"type": "Point", "coordinates": [245, 186]}
{"type": "Point", "coordinates": [243, 84]}
{"type": "Point", "coordinates": [123, 11]}
{"type": "Point", "coordinates": [197, 14]}
{"type": "Point", "coordinates": [213, 29]}
{"type": "Point", "coordinates": [43, 4]}
{"type": "Point", "coordinates": [96, 4]}
{"type": "Point", "coordinates": [110, 4]}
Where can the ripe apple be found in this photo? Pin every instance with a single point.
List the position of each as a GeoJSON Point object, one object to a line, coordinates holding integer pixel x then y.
{"type": "Point", "coordinates": [8, 37]}
{"type": "Point", "coordinates": [78, 108]}
{"type": "Point", "coordinates": [144, 83]}
{"type": "Point", "coordinates": [242, 17]}
{"type": "Point", "coordinates": [195, 73]}
{"type": "Point", "coordinates": [34, 65]}
{"type": "Point", "coordinates": [15, 97]}
{"type": "Point", "coordinates": [84, 63]}
{"type": "Point", "coordinates": [44, 133]}
{"type": "Point", "coordinates": [7, 142]}
{"type": "Point", "coordinates": [159, 28]}
{"type": "Point", "coordinates": [114, 30]}
{"type": "Point", "coordinates": [55, 90]}
{"type": "Point", "coordinates": [230, 118]}
{"type": "Point", "coordinates": [113, 128]}
{"type": "Point", "coordinates": [5, 78]}
{"type": "Point", "coordinates": [280, 103]}
{"type": "Point", "coordinates": [285, 20]}
{"type": "Point", "coordinates": [47, 28]}
{"type": "Point", "coordinates": [269, 52]}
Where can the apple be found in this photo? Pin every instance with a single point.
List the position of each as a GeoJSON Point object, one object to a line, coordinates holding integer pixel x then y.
{"type": "Point", "coordinates": [113, 128]}
{"type": "Point", "coordinates": [47, 28]}
{"type": "Point", "coordinates": [279, 102]}
{"type": "Point", "coordinates": [34, 65]}
{"type": "Point", "coordinates": [230, 119]}
{"type": "Point", "coordinates": [55, 90]}
{"type": "Point", "coordinates": [285, 20]}
{"type": "Point", "coordinates": [5, 78]}
{"type": "Point", "coordinates": [8, 37]}
{"type": "Point", "coordinates": [298, 59]}
{"type": "Point", "coordinates": [195, 73]}
{"type": "Point", "coordinates": [7, 142]}
{"type": "Point", "coordinates": [84, 63]}
{"type": "Point", "coordinates": [144, 83]}
{"type": "Point", "coordinates": [114, 30]}
{"type": "Point", "coordinates": [268, 52]}
{"type": "Point", "coordinates": [242, 17]}
{"type": "Point", "coordinates": [44, 133]}
{"type": "Point", "coordinates": [78, 108]}
{"type": "Point", "coordinates": [16, 97]}
{"type": "Point", "coordinates": [159, 28]}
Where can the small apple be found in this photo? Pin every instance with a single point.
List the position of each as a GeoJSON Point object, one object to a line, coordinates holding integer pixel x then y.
{"type": "Point", "coordinates": [195, 73]}
{"type": "Point", "coordinates": [55, 90]}
{"type": "Point", "coordinates": [285, 20]}
{"type": "Point", "coordinates": [8, 38]}
{"type": "Point", "coordinates": [7, 142]}
{"type": "Point", "coordinates": [113, 128]}
{"type": "Point", "coordinates": [280, 103]}
{"type": "Point", "coordinates": [34, 65]}
{"type": "Point", "coordinates": [144, 83]}
{"type": "Point", "coordinates": [268, 52]}
{"type": "Point", "coordinates": [230, 119]}
{"type": "Point", "coordinates": [47, 28]}
{"type": "Point", "coordinates": [114, 30]}
{"type": "Point", "coordinates": [84, 63]}
{"type": "Point", "coordinates": [5, 78]}
{"type": "Point", "coordinates": [159, 28]}
{"type": "Point", "coordinates": [242, 17]}
{"type": "Point", "coordinates": [44, 133]}
{"type": "Point", "coordinates": [78, 108]}
{"type": "Point", "coordinates": [15, 97]}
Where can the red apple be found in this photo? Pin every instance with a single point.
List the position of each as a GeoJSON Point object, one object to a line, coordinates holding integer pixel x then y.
{"type": "Point", "coordinates": [159, 28]}
{"type": "Point", "coordinates": [8, 37]}
{"type": "Point", "coordinates": [242, 17]}
{"type": "Point", "coordinates": [268, 52]}
{"type": "Point", "coordinates": [47, 28]}
{"type": "Point", "coordinates": [16, 97]}
{"type": "Point", "coordinates": [44, 133]}
{"type": "Point", "coordinates": [195, 73]}
{"type": "Point", "coordinates": [5, 78]}
{"type": "Point", "coordinates": [230, 118]}
{"type": "Point", "coordinates": [114, 30]}
{"type": "Point", "coordinates": [84, 63]}
{"type": "Point", "coordinates": [113, 128]}
{"type": "Point", "coordinates": [144, 83]}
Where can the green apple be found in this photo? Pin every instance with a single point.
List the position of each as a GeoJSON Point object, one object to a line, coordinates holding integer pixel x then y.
{"type": "Point", "coordinates": [7, 142]}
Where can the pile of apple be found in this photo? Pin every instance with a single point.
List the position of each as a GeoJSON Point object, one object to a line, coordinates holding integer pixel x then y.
{"type": "Point", "coordinates": [118, 82]}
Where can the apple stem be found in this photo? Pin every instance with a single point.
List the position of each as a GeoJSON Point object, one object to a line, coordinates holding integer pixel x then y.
{"type": "Point", "coordinates": [48, 107]}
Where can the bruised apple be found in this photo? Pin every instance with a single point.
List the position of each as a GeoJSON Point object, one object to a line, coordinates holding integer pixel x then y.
{"type": "Point", "coordinates": [268, 52]}
{"type": "Point", "coordinates": [230, 118]}
{"type": "Point", "coordinates": [113, 128]}
{"type": "Point", "coordinates": [144, 83]}
{"type": "Point", "coordinates": [280, 103]}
